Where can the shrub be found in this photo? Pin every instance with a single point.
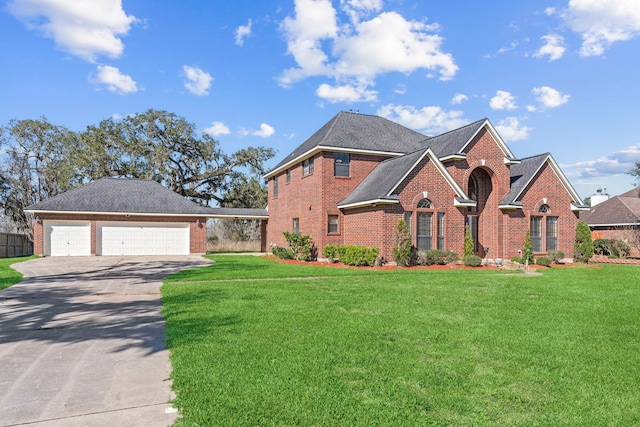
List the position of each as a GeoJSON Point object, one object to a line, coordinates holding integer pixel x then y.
{"type": "Point", "coordinates": [472, 260]}
{"type": "Point", "coordinates": [544, 261]}
{"type": "Point", "coordinates": [436, 256]}
{"type": "Point", "coordinates": [468, 242]}
{"type": "Point", "coordinates": [583, 246]}
{"type": "Point", "coordinates": [611, 247]}
{"type": "Point", "coordinates": [282, 253]}
{"type": "Point", "coordinates": [330, 252]}
{"type": "Point", "coordinates": [401, 251]}
{"type": "Point", "coordinates": [357, 255]}
{"type": "Point", "coordinates": [516, 259]}
{"type": "Point", "coordinates": [300, 245]}
{"type": "Point", "coordinates": [555, 255]}
{"type": "Point", "coordinates": [527, 253]}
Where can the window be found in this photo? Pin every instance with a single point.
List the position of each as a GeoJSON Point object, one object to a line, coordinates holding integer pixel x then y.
{"type": "Point", "coordinates": [425, 231]}
{"type": "Point", "coordinates": [332, 226]}
{"type": "Point", "coordinates": [472, 222]}
{"type": "Point", "coordinates": [307, 166]}
{"type": "Point", "coordinates": [425, 203]}
{"type": "Point", "coordinates": [536, 233]}
{"type": "Point", "coordinates": [275, 187]}
{"type": "Point", "coordinates": [407, 218]}
{"type": "Point", "coordinates": [440, 230]}
{"type": "Point", "coordinates": [341, 163]}
{"type": "Point", "coordinates": [552, 233]}
{"type": "Point", "coordinates": [544, 209]}
{"type": "Point", "coordinates": [288, 175]}
{"type": "Point", "coordinates": [296, 225]}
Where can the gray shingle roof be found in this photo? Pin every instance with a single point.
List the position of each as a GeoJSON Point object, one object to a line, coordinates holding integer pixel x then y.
{"type": "Point", "coordinates": [361, 132]}
{"type": "Point", "coordinates": [132, 196]}
{"type": "Point", "coordinates": [622, 209]}
{"type": "Point", "coordinates": [453, 141]}
{"type": "Point", "coordinates": [521, 176]}
{"type": "Point", "coordinates": [382, 180]}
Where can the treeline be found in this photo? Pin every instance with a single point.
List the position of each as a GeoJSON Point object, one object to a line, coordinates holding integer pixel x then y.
{"type": "Point", "coordinates": [39, 160]}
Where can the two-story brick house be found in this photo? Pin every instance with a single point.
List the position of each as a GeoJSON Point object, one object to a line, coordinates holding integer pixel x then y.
{"type": "Point", "coordinates": [352, 180]}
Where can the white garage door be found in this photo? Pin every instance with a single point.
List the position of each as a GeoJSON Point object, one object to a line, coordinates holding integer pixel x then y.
{"type": "Point", "coordinates": [143, 239]}
{"type": "Point", "coordinates": [67, 238]}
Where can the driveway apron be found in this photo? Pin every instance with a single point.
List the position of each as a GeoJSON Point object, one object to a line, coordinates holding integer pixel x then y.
{"type": "Point", "coordinates": [82, 342]}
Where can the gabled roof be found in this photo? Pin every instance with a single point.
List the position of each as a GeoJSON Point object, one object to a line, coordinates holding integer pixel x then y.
{"type": "Point", "coordinates": [354, 132]}
{"type": "Point", "coordinates": [619, 210]}
{"type": "Point", "coordinates": [456, 141]}
{"type": "Point", "coordinates": [133, 197]}
{"type": "Point", "coordinates": [379, 185]}
{"type": "Point", "coordinates": [525, 171]}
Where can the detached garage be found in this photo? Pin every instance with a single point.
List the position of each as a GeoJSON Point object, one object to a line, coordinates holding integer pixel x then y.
{"type": "Point", "coordinates": [115, 216]}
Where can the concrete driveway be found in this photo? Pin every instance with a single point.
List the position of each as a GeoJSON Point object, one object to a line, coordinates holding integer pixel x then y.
{"type": "Point", "coordinates": [82, 342]}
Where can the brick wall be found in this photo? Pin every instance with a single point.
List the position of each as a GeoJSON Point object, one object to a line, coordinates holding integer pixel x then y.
{"type": "Point", "coordinates": [197, 232]}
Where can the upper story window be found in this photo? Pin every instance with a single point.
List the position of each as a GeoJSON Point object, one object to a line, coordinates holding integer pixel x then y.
{"type": "Point", "coordinates": [544, 209]}
{"type": "Point", "coordinates": [288, 176]}
{"type": "Point", "coordinates": [275, 186]}
{"type": "Point", "coordinates": [307, 166]}
{"type": "Point", "coordinates": [341, 163]}
{"type": "Point", "coordinates": [425, 203]}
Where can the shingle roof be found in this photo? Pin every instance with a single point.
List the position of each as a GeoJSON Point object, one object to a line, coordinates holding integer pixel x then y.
{"type": "Point", "coordinates": [132, 196]}
{"type": "Point", "coordinates": [453, 141]}
{"type": "Point", "coordinates": [382, 180]}
{"type": "Point", "coordinates": [360, 132]}
{"type": "Point", "coordinates": [622, 209]}
{"type": "Point", "coordinates": [521, 175]}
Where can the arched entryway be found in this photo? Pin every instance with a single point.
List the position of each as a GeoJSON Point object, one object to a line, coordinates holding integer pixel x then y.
{"type": "Point", "coordinates": [479, 189]}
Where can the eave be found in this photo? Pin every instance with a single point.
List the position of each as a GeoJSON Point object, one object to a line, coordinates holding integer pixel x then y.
{"type": "Point", "coordinates": [453, 157]}
{"type": "Point", "coordinates": [579, 208]}
{"type": "Point", "coordinates": [510, 206]}
{"type": "Point", "coordinates": [369, 203]}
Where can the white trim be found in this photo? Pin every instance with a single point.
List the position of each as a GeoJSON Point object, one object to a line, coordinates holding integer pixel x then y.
{"type": "Point", "coordinates": [510, 206]}
{"type": "Point", "coordinates": [129, 214]}
{"type": "Point", "coordinates": [452, 157]}
{"type": "Point", "coordinates": [458, 204]}
{"type": "Point", "coordinates": [368, 203]}
{"type": "Point", "coordinates": [630, 224]}
{"type": "Point", "coordinates": [576, 208]}
{"type": "Point", "coordinates": [320, 148]}
{"type": "Point", "coordinates": [510, 162]}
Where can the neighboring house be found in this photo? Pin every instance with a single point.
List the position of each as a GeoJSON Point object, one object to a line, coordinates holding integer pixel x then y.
{"type": "Point", "coordinates": [352, 180]}
{"type": "Point", "coordinates": [616, 218]}
{"type": "Point", "coordinates": [114, 216]}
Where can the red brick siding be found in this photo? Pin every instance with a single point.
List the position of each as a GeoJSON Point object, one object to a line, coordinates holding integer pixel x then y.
{"type": "Point", "coordinates": [197, 232]}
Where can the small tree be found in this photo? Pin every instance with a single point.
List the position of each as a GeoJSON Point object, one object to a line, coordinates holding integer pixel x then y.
{"type": "Point", "coordinates": [302, 246]}
{"type": "Point", "coordinates": [583, 246]}
{"type": "Point", "coordinates": [527, 253]}
{"type": "Point", "coordinates": [401, 251]}
{"type": "Point", "coordinates": [468, 242]}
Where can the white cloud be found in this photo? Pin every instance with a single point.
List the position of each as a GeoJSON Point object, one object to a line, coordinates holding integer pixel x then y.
{"type": "Point", "coordinates": [459, 98]}
{"type": "Point", "coordinates": [242, 32]}
{"type": "Point", "coordinates": [503, 101]}
{"type": "Point", "coordinates": [197, 81]}
{"type": "Point", "coordinates": [600, 23]}
{"type": "Point", "coordinates": [114, 80]}
{"type": "Point", "coordinates": [510, 129]}
{"type": "Point", "coordinates": [87, 29]}
{"type": "Point", "coordinates": [620, 162]}
{"type": "Point", "coordinates": [430, 120]}
{"type": "Point", "coordinates": [550, 11]}
{"type": "Point", "coordinates": [265, 131]}
{"type": "Point", "coordinates": [549, 97]}
{"type": "Point", "coordinates": [553, 47]}
{"type": "Point", "coordinates": [345, 93]}
{"type": "Point", "coordinates": [217, 129]}
{"type": "Point", "coordinates": [355, 53]}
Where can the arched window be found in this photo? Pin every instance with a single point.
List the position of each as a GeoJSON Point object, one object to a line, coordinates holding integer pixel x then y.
{"type": "Point", "coordinates": [425, 203]}
{"type": "Point", "coordinates": [544, 209]}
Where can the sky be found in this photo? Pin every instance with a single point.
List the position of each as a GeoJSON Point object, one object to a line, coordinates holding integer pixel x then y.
{"type": "Point", "coordinates": [552, 76]}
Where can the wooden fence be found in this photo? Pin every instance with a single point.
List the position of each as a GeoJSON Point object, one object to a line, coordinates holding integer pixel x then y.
{"type": "Point", "coordinates": [14, 245]}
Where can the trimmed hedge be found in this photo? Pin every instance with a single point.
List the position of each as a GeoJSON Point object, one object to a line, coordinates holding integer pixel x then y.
{"type": "Point", "coordinates": [357, 255]}
{"type": "Point", "coordinates": [544, 261]}
{"type": "Point", "coordinates": [555, 255]}
{"type": "Point", "coordinates": [472, 261]}
{"type": "Point", "coordinates": [435, 256]}
{"type": "Point", "coordinates": [282, 253]}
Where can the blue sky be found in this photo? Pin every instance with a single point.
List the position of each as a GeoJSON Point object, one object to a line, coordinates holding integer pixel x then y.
{"type": "Point", "coordinates": [556, 76]}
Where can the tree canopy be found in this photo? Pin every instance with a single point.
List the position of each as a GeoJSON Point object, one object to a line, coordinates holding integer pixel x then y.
{"type": "Point", "coordinates": [41, 160]}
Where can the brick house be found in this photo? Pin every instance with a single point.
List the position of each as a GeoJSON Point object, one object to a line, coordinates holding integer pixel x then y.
{"type": "Point", "coordinates": [116, 216]}
{"type": "Point", "coordinates": [351, 181]}
{"type": "Point", "coordinates": [616, 218]}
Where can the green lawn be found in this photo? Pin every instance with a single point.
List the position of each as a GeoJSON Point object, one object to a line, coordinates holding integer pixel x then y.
{"type": "Point", "coordinates": [9, 276]}
{"type": "Point", "coordinates": [254, 342]}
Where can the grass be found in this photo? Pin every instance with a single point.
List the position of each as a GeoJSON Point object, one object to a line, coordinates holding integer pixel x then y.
{"type": "Point", "coordinates": [304, 345]}
{"type": "Point", "coordinates": [9, 276]}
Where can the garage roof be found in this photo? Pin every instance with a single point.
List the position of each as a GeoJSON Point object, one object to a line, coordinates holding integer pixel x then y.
{"type": "Point", "coordinates": [133, 196]}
